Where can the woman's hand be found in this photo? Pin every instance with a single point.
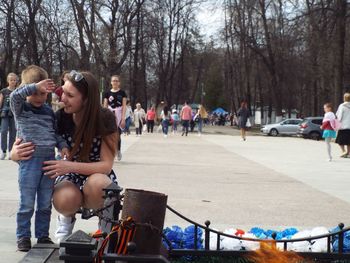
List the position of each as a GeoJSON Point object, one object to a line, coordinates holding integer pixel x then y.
{"type": "Point", "coordinates": [22, 151]}
{"type": "Point", "coordinates": [55, 168]}
{"type": "Point", "coordinates": [122, 124]}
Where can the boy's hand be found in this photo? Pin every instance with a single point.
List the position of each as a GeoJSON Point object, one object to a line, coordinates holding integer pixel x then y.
{"type": "Point", "coordinates": [65, 153]}
{"type": "Point", "coordinates": [46, 85]}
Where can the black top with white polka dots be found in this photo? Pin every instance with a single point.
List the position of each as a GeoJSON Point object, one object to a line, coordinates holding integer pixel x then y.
{"type": "Point", "coordinates": [94, 156]}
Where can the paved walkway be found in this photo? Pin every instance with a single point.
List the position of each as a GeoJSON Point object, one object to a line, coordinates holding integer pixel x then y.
{"type": "Point", "coordinates": [265, 181]}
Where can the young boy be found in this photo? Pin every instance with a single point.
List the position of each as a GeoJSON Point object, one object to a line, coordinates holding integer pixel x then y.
{"type": "Point", "coordinates": [35, 123]}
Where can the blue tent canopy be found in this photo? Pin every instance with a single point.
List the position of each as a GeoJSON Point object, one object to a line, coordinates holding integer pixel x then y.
{"type": "Point", "coordinates": [219, 111]}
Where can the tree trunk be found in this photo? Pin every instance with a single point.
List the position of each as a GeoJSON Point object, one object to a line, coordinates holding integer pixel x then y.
{"type": "Point", "coordinates": [341, 6]}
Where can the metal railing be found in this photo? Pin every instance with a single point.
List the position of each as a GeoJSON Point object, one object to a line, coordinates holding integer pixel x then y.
{"type": "Point", "coordinates": [329, 254]}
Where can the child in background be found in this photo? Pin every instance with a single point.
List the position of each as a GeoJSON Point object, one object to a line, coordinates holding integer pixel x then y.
{"type": "Point", "coordinates": [328, 127]}
{"type": "Point", "coordinates": [7, 120]}
{"type": "Point", "coordinates": [35, 123]}
{"type": "Point", "coordinates": [176, 119]}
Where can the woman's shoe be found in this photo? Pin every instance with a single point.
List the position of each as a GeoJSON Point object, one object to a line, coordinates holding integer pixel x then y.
{"type": "Point", "coordinates": [65, 225]}
{"type": "Point", "coordinates": [344, 155]}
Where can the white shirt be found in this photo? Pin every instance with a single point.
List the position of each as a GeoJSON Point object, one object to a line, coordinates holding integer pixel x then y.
{"type": "Point", "coordinates": [343, 115]}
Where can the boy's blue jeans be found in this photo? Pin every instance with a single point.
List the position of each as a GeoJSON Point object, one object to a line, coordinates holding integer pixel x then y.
{"type": "Point", "coordinates": [34, 184]}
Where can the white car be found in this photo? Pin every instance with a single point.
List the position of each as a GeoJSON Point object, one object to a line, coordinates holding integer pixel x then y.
{"type": "Point", "coordinates": [287, 126]}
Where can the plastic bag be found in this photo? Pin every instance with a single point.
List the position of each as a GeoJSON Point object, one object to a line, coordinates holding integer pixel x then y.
{"type": "Point", "coordinates": [230, 243]}
{"type": "Point", "coordinates": [213, 241]}
{"type": "Point", "coordinates": [250, 245]}
{"type": "Point", "coordinates": [175, 235]}
{"type": "Point", "coordinates": [248, 124]}
{"type": "Point", "coordinates": [144, 128]}
{"type": "Point", "coordinates": [301, 246]}
{"type": "Point", "coordinates": [189, 237]}
{"type": "Point", "coordinates": [346, 243]}
{"type": "Point", "coordinates": [319, 245]}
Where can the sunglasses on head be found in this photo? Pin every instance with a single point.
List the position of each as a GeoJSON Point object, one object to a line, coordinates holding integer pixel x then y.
{"type": "Point", "coordinates": [76, 76]}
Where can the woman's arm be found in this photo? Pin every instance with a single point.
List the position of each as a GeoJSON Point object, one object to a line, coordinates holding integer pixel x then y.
{"type": "Point", "coordinates": [21, 151]}
{"type": "Point", "coordinates": [122, 124]}
{"type": "Point", "coordinates": [339, 113]}
{"type": "Point", "coordinates": [105, 103]}
{"type": "Point", "coordinates": [104, 166]}
{"type": "Point", "coordinates": [1, 100]}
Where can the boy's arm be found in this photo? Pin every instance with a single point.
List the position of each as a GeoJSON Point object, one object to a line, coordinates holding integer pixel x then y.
{"type": "Point", "coordinates": [18, 97]}
{"type": "Point", "coordinates": [60, 142]}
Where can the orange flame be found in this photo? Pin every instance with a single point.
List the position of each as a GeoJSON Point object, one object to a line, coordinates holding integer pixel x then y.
{"type": "Point", "coordinates": [268, 253]}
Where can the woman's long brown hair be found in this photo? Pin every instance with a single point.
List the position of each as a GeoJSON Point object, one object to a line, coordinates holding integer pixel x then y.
{"type": "Point", "coordinates": [93, 119]}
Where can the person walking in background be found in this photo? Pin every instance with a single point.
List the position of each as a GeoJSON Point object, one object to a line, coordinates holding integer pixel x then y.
{"type": "Point", "coordinates": [8, 126]}
{"type": "Point", "coordinates": [176, 118]}
{"type": "Point", "coordinates": [165, 115]}
{"type": "Point", "coordinates": [128, 118]}
{"type": "Point", "coordinates": [199, 118]}
{"type": "Point", "coordinates": [328, 126]}
{"type": "Point", "coordinates": [150, 117]}
{"type": "Point", "coordinates": [243, 116]}
{"type": "Point", "coordinates": [57, 94]}
{"type": "Point", "coordinates": [186, 116]}
{"type": "Point", "coordinates": [192, 122]}
{"type": "Point", "coordinates": [159, 110]}
{"type": "Point", "coordinates": [139, 117]}
{"type": "Point", "coordinates": [343, 115]}
{"type": "Point", "coordinates": [115, 100]}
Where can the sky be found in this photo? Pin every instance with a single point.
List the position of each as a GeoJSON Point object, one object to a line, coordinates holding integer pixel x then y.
{"type": "Point", "coordinates": [210, 16]}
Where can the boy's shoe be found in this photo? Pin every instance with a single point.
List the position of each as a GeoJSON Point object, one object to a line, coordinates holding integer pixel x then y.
{"type": "Point", "coordinates": [45, 240]}
{"type": "Point", "coordinates": [24, 244]}
{"type": "Point", "coordinates": [65, 227]}
{"type": "Point", "coordinates": [2, 156]}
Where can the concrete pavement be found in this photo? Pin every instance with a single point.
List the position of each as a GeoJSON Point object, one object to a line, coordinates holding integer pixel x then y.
{"type": "Point", "coordinates": [266, 182]}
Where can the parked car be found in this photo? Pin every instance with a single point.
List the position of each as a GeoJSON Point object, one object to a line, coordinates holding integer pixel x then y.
{"type": "Point", "coordinates": [311, 128]}
{"type": "Point", "coordinates": [287, 126]}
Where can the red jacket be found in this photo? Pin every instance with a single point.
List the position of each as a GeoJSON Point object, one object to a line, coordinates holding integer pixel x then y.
{"type": "Point", "coordinates": [326, 125]}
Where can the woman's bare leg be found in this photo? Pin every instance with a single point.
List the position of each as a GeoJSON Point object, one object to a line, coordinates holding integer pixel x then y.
{"type": "Point", "coordinates": [243, 133]}
{"type": "Point", "coordinates": [67, 198]}
{"type": "Point", "coordinates": [348, 149]}
{"type": "Point", "coordinates": [93, 193]}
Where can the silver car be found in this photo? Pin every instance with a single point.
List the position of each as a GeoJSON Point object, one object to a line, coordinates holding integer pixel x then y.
{"type": "Point", "coordinates": [287, 126]}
